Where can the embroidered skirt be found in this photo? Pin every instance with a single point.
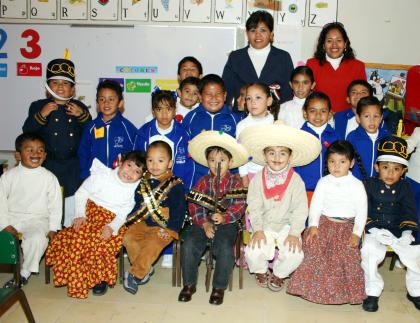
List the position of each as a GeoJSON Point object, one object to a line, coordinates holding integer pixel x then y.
{"type": "Point", "coordinates": [80, 259]}
{"type": "Point", "coordinates": [330, 272]}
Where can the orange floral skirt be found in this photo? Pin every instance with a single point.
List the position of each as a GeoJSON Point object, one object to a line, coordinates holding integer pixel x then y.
{"type": "Point", "coordinates": [81, 259]}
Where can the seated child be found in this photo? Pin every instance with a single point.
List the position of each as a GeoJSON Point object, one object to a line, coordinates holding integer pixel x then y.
{"type": "Point", "coordinates": [110, 134]}
{"type": "Point", "coordinates": [277, 203]}
{"type": "Point", "coordinates": [413, 173]}
{"type": "Point", "coordinates": [30, 203]}
{"type": "Point", "coordinates": [211, 114]}
{"type": "Point", "coordinates": [188, 96]}
{"type": "Point", "coordinates": [345, 121]}
{"type": "Point", "coordinates": [317, 112]}
{"type": "Point", "coordinates": [366, 136]}
{"type": "Point", "coordinates": [392, 221]}
{"type": "Point", "coordinates": [219, 152]}
{"type": "Point", "coordinates": [83, 256]}
{"type": "Point", "coordinates": [156, 218]}
{"type": "Point", "coordinates": [330, 272]}
{"type": "Point", "coordinates": [302, 83]}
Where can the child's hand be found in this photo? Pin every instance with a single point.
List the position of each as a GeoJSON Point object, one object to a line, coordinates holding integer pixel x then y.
{"type": "Point", "coordinates": [51, 235]}
{"type": "Point", "coordinates": [217, 218]}
{"type": "Point", "coordinates": [106, 232]}
{"type": "Point", "coordinates": [256, 239]}
{"type": "Point", "coordinates": [48, 108]}
{"type": "Point", "coordinates": [208, 230]}
{"type": "Point", "coordinates": [294, 243]}
{"type": "Point", "coordinates": [11, 229]}
{"type": "Point", "coordinates": [163, 234]}
{"type": "Point", "coordinates": [354, 241]}
{"type": "Point", "coordinates": [245, 181]}
{"type": "Point", "coordinates": [78, 223]}
{"type": "Point", "coordinates": [72, 109]}
{"type": "Point", "coordinates": [313, 232]}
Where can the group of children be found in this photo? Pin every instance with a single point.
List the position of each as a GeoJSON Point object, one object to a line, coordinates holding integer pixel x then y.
{"type": "Point", "coordinates": [129, 187]}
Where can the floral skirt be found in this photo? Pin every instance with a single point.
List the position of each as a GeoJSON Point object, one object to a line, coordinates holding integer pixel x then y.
{"type": "Point", "coordinates": [330, 272]}
{"type": "Point", "coordinates": [81, 259]}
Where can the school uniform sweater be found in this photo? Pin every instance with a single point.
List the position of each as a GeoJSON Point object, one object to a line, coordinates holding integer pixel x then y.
{"type": "Point", "coordinates": [333, 82]}
{"type": "Point", "coordinates": [367, 149]}
{"type": "Point", "coordinates": [312, 172]}
{"type": "Point", "coordinates": [105, 141]}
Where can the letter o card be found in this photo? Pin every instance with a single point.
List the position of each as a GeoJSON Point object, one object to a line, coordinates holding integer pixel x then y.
{"type": "Point", "coordinates": [43, 9]}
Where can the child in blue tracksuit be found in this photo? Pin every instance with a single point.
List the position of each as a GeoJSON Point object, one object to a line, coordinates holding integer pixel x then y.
{"type": "Point", "coordinates": [365, 138]}
{"type": "Point", "coordinates": [317, 112]}
{"type": "Point", "coordinates": [110, 134]}
{"type": "Point", "coordinates": [211, 114]}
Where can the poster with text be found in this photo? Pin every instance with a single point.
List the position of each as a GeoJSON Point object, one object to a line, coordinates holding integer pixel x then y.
{"type": "Point", "coordinates": [104, 9]}
{"type": "Point", "coordinates": [74, 9]}
{"type": "Point", "coordinates": [322, 12]}
{"type": "Point", "coordinates": [197, 11]}
{"type": "Point", "coordinates": [135, 10]}
{"type": "Point", "coordinates": [268, 5]}
{"type": "Point", "coordinates": [291, 12]}
{"type": "Point", "coordinates": [228, 11]}
{"type": "Point", "coordinates": [43, 9]}
{"type": "Point", "coordinates": [13, 9]}
{"type": "Point", "coordinates": [165, 10]}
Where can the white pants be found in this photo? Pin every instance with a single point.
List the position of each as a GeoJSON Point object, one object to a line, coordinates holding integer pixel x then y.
{"type": "Point", "coordinates": [68, 211]}
{"type": "Point", "coordinates": [373, 253]}
{"type": "Point", "coordinates": [286, 262]}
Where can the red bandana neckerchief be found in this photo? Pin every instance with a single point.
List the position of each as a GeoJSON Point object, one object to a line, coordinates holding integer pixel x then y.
{"type": "Point", "coordinates": [276, 191]}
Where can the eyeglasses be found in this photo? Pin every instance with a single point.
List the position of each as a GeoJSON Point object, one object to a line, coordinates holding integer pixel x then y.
{"type": "Point", "coordinates": [62, 68]}
{"type": "Point", "coordinates": [111, 99]}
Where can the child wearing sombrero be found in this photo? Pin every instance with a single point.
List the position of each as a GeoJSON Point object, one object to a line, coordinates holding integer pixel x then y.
{"type": "Point", "coordinates": [277, 201]}
{"type": "Point", "coordinates": [218, 225]}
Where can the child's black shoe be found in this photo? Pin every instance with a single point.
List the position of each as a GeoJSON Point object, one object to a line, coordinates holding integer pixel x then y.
{"type": "Point", "coordinates": [370, 304]}
{"type": "Point", "coordinates": [12, 284]}
{"type": "Point", "coordinates": [414, 300]}
{"type": "Point", "coordinates": [100, 289]}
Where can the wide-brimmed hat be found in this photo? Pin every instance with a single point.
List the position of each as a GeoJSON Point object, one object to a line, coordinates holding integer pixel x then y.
{"type": "Point", "coordinates": [305, 147]}
{"type": "Point", "coordinates": [198, 145]}
{"type": "Point", "coordinates": [393, 149]}
{"type": "Point", "coordinates": [61, 69]}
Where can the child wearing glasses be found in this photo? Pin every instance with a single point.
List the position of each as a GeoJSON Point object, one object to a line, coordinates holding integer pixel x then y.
{"type": "Point", "coordinates": [110, 134]}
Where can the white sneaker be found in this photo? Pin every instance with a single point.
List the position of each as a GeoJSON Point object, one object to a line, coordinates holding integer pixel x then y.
{"type": "Point", "coordinates": [167, 261]}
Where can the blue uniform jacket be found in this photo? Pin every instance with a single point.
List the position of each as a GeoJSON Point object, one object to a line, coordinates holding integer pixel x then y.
{"type": "Point", "coordinates": [105, 141]}
{"type": "Point", "coordinates": [312, 172]}
{"type": "Point", "coordinates": [367, 150]}
{"type": "Point", "coordinates": [200, 119]}
{"type": "Point", "coordinates": [240, 71]}
{"type": "Point", "coordinates": [178, 138]}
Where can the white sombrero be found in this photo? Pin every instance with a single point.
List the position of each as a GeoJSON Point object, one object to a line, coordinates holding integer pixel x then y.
{"type": "Point", "coordinates": [198, 145]}
{"type": "Point", "coordinates": [305, 147]}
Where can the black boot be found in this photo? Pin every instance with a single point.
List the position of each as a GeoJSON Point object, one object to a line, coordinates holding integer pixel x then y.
{"type": "Point", "coordinates": [415, 300]}
{"type": "Point", "coordinates": [370, 304]}
{"type": "Point", "coordinates": [100, 289]}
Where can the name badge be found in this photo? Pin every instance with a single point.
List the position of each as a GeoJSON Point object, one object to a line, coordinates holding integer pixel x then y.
{"type": "Point", "coordinates": [99, 132]}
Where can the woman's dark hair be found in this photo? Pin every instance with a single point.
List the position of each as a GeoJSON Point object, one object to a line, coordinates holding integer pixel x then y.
{"type": "Point", "coordinates": [320, 50]}
{"type": "Point", "coordinates": [136, 156]}
{"type": "Point", "coordinates": [193, 60]}
{"type": "Point", "coordinates": [368, 101]}
{"type": "Point", "coordinates": [317, 96]}
{"type": "Point", "coordinates": [211, 79]}
{"type": "Point", "coordinates": [303, 70]}
{"type": "Point", "coordinates": [260, 16]}
{"type": "Point", "coordinates": [274, 108]}
{"type": "Point", "coordinates": [27, 136]}
{"type": "Point", "coordinates": [111, 85]}
{"type": "Point", "coordinates": [163, 96]}
{"type": "Point", "coordinates": [217, 149]}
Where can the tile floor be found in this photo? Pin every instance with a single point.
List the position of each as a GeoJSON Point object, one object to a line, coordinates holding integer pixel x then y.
{"type": "Point", "coordinates": [157, 302]}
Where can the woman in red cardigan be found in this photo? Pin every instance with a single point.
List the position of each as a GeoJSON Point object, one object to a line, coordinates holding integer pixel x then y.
{"type": "Point", "coordinates": [335, 66]}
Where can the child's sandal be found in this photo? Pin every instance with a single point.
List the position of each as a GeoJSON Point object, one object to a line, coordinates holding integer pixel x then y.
{"type": "Point", "coordinates": [261, 279]}
{"type": "Point", "coordinates": [275, 283]}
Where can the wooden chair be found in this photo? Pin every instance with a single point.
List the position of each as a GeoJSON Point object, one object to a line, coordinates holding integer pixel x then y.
{"type": "Point", "coordinates": [10, 254]}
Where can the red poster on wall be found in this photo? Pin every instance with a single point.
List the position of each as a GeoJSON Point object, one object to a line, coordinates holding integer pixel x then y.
{"type": "Point", "coordinates": [29, 69]}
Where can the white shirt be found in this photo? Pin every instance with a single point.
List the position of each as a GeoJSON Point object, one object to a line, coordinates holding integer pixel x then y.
{"type": "Point", "coordinates": [414, 162]}
{"type": "Point", "coordinates": [182, 110]}
{"type": "Point", "coordinates": [291, 112]}
{"type": "Point", "coordinates": [351, 125]}
{"type": "Point", "coordinates": [317, 130]}
{"type": "Point", "coordinates": [343, 197]}
{"type": "Point", "coordinates": [30, 195]}
{"type": "Point", "coordinates": [258, 57]}
{"type": "Point", "coordinates": [335, 62]}
{"type": "Point", "coordinates": [250, 121]}
{"type": "Point", "coordinates": [106, 189]}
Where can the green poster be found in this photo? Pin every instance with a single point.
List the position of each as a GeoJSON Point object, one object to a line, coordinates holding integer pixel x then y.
{"type": "Point", "coordinates": [138, 85]}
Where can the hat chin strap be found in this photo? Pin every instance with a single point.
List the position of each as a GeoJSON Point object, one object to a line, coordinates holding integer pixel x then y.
{"type": "Point", "coordinates": [55, 95]}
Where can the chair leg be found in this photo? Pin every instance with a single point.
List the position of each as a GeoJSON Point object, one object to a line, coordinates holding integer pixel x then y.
{"type": "Point", "coordinates": [25, 305]}
{"type": "Point", "coordinates": [121, 266]}
{"type": "Point", "coordinates": [209, 268]}
{"type": "Point", "coordinates": [174, 269]}
{"type": "Point", "coordinates": [47, 273]}
{"type": "Point", "coordinates": [393, 261]}
{"type": "Point", "coordinates": [178, 263]}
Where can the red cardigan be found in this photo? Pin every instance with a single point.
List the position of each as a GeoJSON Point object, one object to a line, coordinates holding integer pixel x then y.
{"type": "Point", "coordinates": [334, 83]}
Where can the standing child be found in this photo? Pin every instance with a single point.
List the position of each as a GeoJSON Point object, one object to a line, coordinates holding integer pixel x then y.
{"type": "Point", "coordinates": [277, 203]}
{"type": "Point", "coordinates": [60, 120]}
{"type": "Point", "coordinates": [317, 112]}
{"type": "Point", "coordinates": [367, 135]}
{"type": "Point", "coordinates": [83, 256]}
{"type": "Point", "coordinates": [331, 271]}
{"type": "Point", "coordinates": [413, 173]}
{"type": "Point", "coordinates": [156, 218]}
{"type": "Point", "coordinates": [189, 66]}
{"type": "Point", "coordinates": [392, 221]}
{"type": "Point", "coordinates": [110, 134]}
{"type": "Point", "coordinates": [188, 96]}
{"type": "Point", "coordinates": [258, 103]}
{"type": "Point", "coordinates": [302, 83]}
{"type": "Point", "coordinates": [211, 114]}
{"type": "Point", "coordinates": [219, 152]}
{"type": "Point", "coordinates": [30, 203]}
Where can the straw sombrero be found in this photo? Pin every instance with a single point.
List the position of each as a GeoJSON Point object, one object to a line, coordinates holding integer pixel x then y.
{"type": "Point", "coordinates": [305, 147]}
{"type": "Point", "coordinates": [198, 145]}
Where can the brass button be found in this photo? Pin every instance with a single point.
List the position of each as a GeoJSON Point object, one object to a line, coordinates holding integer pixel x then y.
{"type": "Point", "coordinates": [382, 191]}
{"type": "Point", "coordinates": [56, 119]}
{"type": "Point", "coordinates": [71, 134]}
{"type": "Point", "coordinates": [55, 134]}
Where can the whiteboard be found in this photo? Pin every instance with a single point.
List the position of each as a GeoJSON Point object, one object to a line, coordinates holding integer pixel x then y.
{"type": "Point", "coordinates": [96, 52]}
